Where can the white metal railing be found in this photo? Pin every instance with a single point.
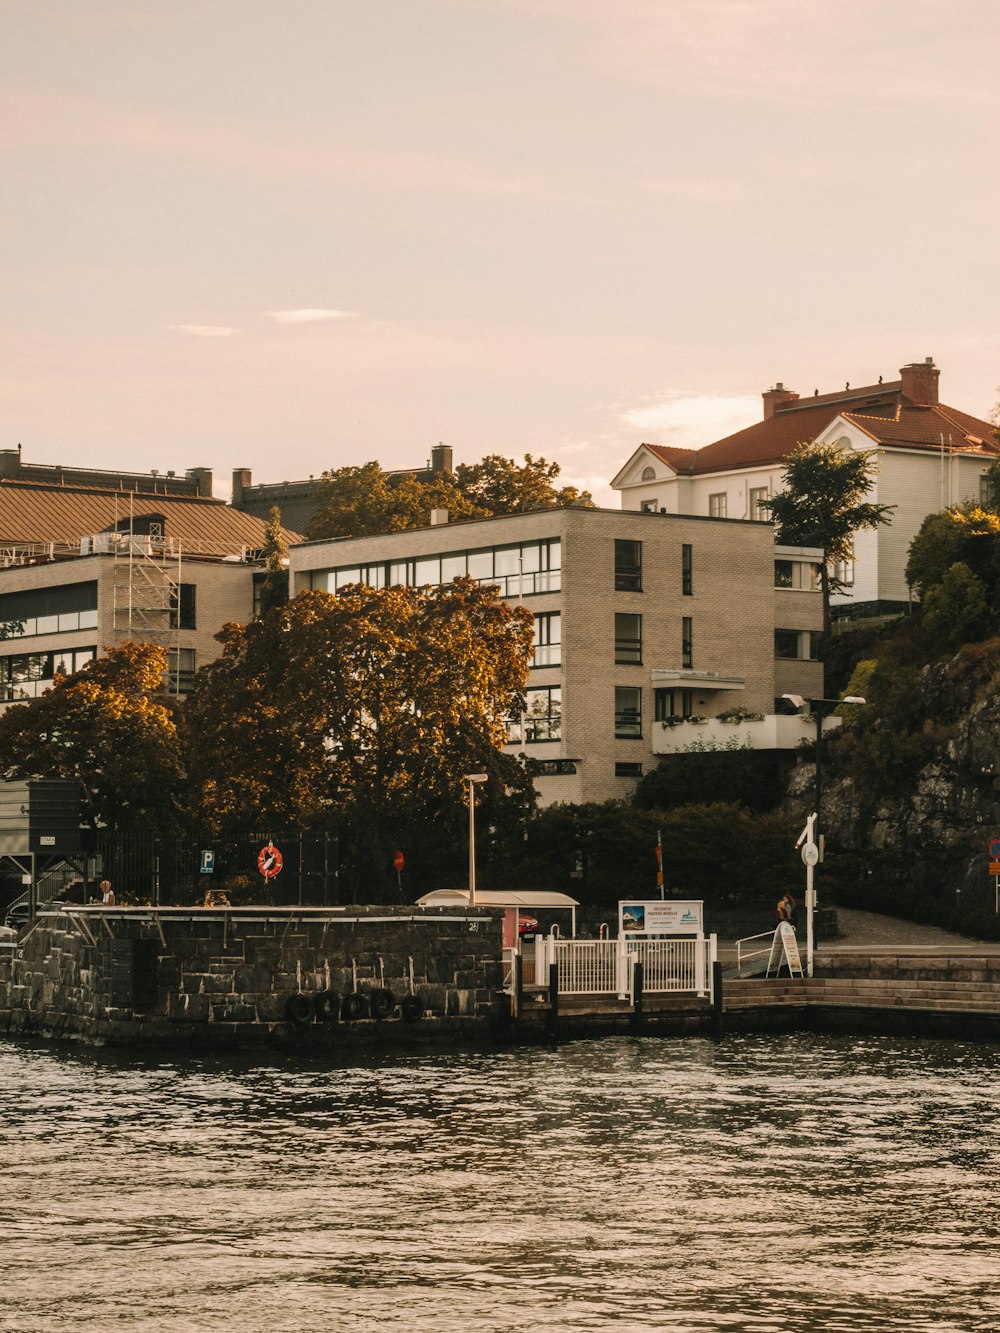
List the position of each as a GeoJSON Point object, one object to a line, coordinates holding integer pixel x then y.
{"type": "Point", "coordinates": [607, 966]}
{"type": "Point", "coordinates": [744, 955]}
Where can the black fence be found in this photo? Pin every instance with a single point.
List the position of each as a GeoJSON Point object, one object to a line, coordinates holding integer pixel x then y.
{"type": "Point", "coordinates": [290, 868]}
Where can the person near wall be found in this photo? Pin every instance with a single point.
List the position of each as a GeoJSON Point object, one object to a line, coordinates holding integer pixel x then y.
{"type": "Point", "coordinates": [107, 894]}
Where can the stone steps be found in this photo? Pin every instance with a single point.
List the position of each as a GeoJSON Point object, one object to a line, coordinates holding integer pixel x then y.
{"type": "Point", "coordinates": [864, 993]}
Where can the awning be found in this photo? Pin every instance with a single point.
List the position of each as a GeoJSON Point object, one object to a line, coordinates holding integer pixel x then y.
{"type": "Point", "coordinates": [526, 898]}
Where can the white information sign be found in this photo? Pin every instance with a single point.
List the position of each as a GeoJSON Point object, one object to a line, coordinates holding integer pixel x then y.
{"type": "Point", "coordinates": [659, 917]}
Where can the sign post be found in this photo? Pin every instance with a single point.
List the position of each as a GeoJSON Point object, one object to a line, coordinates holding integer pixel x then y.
{"type": "Point", "coordinates": [398, 863]}
{"type": "Point", "coordinates": [994, 851]}
{"type": "Point", "coordinates": [810, 857]}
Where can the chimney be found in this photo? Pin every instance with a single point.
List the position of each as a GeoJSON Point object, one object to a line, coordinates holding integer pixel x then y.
{"type": "Point", "coordinates": [202, 477]}
{"type": "Point", "coordinates": [242, 478]}
{"type": "Point", "coordinates": [776, 398]}
{"type": "Point", "coordinates": [10, 462]}
{"type": "Point", "coordinates": [438, 517]}
{"type": "Point", "coordinates": [441, 458]}
{"type": "Point", "coordinates": [919, 382]}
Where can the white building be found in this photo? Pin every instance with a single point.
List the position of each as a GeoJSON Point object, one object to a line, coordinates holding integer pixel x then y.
{"type": "Point", "coordinates": [929, 456]}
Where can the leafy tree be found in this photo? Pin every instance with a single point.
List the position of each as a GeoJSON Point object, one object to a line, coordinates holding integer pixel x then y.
{"type": "Point", "coordinates": [498, 485]}
{"type": "Point", "coordinates": [109, 726]}
{"type": "Point", "coordinates": [365, 501]}
{"type": "Point", "coordinates": [748, 777]}
{"type": "Point", "coordinates": [274, 589]}
{"type": "Point", "coordinates": [362, 712]}
{"type": "Point", "coordinates": [822, 505]}
{"type": "Point", "coordinates": [956, 610]}
{"type": "Point", "coordinates": [966, 534]}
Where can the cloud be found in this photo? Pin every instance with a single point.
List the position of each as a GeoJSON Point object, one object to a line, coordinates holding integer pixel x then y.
{"type": "Point", "coordinates": [310, 315]}
{"type": "Point", "coordinates": [205, 330]}
{"type": "Point", "coordinates": [691, 420]}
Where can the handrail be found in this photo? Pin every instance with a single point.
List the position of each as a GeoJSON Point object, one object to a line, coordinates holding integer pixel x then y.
{"type": "Point", "coordinates": [755, 953]}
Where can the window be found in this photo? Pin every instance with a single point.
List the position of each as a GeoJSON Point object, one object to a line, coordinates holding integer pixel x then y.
{"type": "Point", "coordinates": [796, 645]}
{"type": "Point", "coordinates": [686, 569]}
{"type": "Point", "coordinates": [542, 717]}
{"type": "Point", "coordinates": [687, 645]}
{"type": "Point", "coordinates": [648, 474]}
{"type": "Point", "coordinates": [628, 712]}
{"type": "Point", "coordinates": [518, 571]}
{"type": "Point", "coordinates": [27, 675]}
{"type": "Point", "coordinates": [72, 606]}
{"type": "Point", "coordinates": [985, 490]}
{"type": "Point", "coordinates": [668, 704]}
{"type": "Point", "coordinates": [628, 566]}
{"type": "Point", "coordinates": [758, 494]}
{"type": "Point", "coordinates": [628, 770]}
{"type": "Point", "coordinates": [555, 768]}
{"type": "Point", "coordinates": [548, 639]}
{"type": "Point", "coordinates": [844, 573]}
{"type": "Point", "coordinates": [628, 638]}
{"type": "Point", "coordinates": [182, 600]}
{"type": "Point", "coordinates": [180, 670]}
{"type": "Point", "coordinates": [648, 506]}
{"type": "Point", "coordinates": [717, 505]}
{"type": "Point", "coordinates": [801, 574]}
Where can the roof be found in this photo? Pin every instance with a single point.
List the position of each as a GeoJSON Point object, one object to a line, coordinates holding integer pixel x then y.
{"type": "Point", "coordinates": [765, 443]}
{"type": "Point", "coordinates": [32, 512]}
{"type": "Point", "coordinates": [497, 898]}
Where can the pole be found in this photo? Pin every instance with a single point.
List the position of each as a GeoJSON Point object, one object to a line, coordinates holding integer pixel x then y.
{"type": "Point", "coordinates": [818, 710]}
{"type": "Point", "coordinates": [472, 843]}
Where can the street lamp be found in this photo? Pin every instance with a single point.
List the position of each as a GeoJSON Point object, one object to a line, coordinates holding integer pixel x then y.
{"type": "Point", "coordinates": [472, 779]}
{"type": "Point", "coordinates": [812, 835]}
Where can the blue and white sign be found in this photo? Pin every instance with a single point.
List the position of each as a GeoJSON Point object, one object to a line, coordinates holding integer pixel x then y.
{"type": "Point", "coordinates": [658, 917]}
{"type": "Point", "coordinates": [207, 863]}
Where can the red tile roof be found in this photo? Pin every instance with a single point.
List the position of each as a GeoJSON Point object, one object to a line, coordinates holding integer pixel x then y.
{"type": "Point", "coordinates": [32, 513]}
{"type": "Point", "coordinates": [897, 423]}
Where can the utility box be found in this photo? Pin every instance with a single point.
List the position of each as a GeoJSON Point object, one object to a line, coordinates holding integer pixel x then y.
{"type": "Point", "coordinates": [41, 816]}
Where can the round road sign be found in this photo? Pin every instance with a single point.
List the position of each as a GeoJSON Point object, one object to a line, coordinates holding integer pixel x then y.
{"type": "Point", "coordinates": [810, 854]}
{"type": "Point", "coordinates": [270, 861]}
{"type": "Point", "coordinates": [995, 849]}
{"type": "Point", "coordinates": [397, 861]}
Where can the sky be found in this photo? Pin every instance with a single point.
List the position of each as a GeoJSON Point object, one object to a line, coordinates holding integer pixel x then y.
{"type": "Point", "coordinates": [294, 235]}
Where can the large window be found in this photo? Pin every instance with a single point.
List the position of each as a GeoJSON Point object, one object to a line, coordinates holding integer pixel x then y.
{"type": "Point", "coordinates": [28, 675]}
{"type": "Point", "coordinates": [718, 505]}
{"type": "Point", "coordinates": [73, 606]}
{"type": "Point", "coordinates": [801, 574]}
{"type": "Point", "coordinates": [758, 494]}
{"type": "Point", "coordinates": [548, 639]}
{"type": "Point", "coordinates": [628, 566]}
{"type": "Point", "coordinates": [628, 712]}
{"type": "Point", "coordinates": [687, 641]}
{"type": "Point", "coordinates": [669, 704]}
{"type": "Point", "coordinates": [628, 638]}
{"type": "Point", "coordinates": [687, 570]}
{"type": "Point", "coordinates": [518, 571]}
{"type": "Point", "coordinates": [541, 719]}
{"type": "Point", "coordinates": [796, 645]}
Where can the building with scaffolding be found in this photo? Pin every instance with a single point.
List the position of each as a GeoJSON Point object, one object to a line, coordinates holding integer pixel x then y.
{"type": "Point", "coordinates": [85, 566]}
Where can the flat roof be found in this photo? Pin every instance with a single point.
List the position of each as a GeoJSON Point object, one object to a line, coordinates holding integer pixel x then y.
{"type": "Point", "coordinates": [497, 898]}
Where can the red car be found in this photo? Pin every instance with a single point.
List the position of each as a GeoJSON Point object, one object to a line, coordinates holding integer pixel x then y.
{"type": "Point", "coordinates": [526, 925]}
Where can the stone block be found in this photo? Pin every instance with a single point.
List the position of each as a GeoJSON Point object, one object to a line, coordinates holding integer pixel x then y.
{"type": "Point", "coordinates": [248, 977]}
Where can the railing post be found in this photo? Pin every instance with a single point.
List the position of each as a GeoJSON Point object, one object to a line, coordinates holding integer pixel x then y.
{"type": "Point", "coordinates": [517, 989]}
{"type": "Point", "coordinates": [637, 997]}
{"type": "Point", "coordinates": [553, 1014]}
{"type": "Point", "coordinates": [622, 978]}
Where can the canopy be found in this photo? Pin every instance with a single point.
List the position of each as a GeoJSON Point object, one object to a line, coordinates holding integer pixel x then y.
{"type": "Point", "coordinates": [526, 898]}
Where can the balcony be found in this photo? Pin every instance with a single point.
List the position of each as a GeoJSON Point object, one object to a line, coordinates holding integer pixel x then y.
{"type": "Point", "coordinates": [773, 732]}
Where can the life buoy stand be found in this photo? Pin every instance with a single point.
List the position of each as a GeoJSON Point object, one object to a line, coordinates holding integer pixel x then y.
{"type": "Point", "coordinates": [383, 1003]}
{"type": "Point", "coordinates": [412, 1008]}
{"type": "Point", "coordinates": [327, 1006]}
{"type": "Point", "coordinates": [355, 1006]}
{"type": "Point", "coordinates": [299, 1009]}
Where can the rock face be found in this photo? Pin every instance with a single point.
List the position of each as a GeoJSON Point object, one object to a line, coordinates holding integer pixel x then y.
{"type": "Point", "coordinates": [909, 807]}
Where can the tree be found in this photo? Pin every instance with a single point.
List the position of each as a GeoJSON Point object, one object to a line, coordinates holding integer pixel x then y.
{"type": "Point", "coordinates": [109, 726]}
{"type": "Point", "coordinates": [822, 505]}
{"type": "Point", "coordinates": [966, 534]}
{"type": "Point", "coordinates": [365, 501]}
{"type": "Point", "coordinates": [956, 610]}
{"type": "Point", "coordinates": [498, 485]}
{"type": "Point", "coordinates": [361, 712]}
{"type": "Point", "coordinates": [274, 589]}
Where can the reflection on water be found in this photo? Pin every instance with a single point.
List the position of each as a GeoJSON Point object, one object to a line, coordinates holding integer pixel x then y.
{"type": "Point", "coordinates": [772, 1185]}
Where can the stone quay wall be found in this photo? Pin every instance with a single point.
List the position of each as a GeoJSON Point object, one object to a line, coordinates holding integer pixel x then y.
{"type": "Point", "coordinates": [218, 977]}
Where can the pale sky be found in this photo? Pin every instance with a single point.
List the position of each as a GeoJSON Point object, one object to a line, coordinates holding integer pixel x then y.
{"type": "Point", "coordinates": [291, 235]}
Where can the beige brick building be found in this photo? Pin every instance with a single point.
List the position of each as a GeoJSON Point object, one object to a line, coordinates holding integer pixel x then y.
{"type": "Point", "coordinates": [640, 619]}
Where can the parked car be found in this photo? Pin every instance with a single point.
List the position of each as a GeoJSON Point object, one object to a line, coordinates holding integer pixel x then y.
{"type": "Point", "coordinates": [527, 926]}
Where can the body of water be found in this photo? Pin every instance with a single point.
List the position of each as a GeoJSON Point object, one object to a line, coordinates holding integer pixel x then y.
{"type": "Point", "coordinates": [775, 1185]}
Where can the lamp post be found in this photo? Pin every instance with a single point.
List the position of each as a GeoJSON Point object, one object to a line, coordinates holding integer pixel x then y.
{"type": "Point", "coordinates": [812, 835]}
{"type": "Point", "coordinates": [472, 779]}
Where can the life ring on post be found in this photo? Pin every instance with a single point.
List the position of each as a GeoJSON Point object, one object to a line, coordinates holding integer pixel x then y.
{"type": "Point", "coordinates": [412, 1008]}
{"type": "Point", "coordinates": [299, 1009]}
{"type": "Point", "coordinates": [383, 1003]}
{"type": "Point", "coordinates": [327, 1006]}
{"type": "Point", "coordinates": [355, 1006]}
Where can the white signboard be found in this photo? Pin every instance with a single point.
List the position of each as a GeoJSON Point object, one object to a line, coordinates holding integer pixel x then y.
{"type": "Point", "coordinates": [659, 917]}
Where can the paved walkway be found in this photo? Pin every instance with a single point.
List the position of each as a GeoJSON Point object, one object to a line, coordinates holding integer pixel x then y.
{"type": "Point", "coordinates": [869, 929]}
